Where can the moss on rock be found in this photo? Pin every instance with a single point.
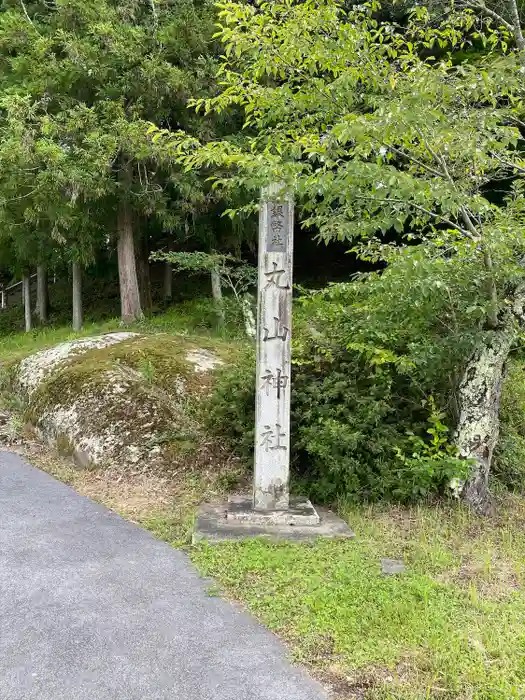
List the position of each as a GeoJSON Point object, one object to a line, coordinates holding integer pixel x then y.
{"type": "Point", "coordinates": [130, 403]}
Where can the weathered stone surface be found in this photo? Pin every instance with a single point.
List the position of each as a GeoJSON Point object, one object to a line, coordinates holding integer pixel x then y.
{"type": "Point", "coordinates": [33, 370]}
{"type": "Point", "coordinates": [299, 512]}
{"type": "Point", "coordinates": [273, 373]}
{"type": "Point", "coordinates": [391, 567]}
{"type": "Point", "coordinates": [204, 360]}
{"type": "Point", "coordinates": [115, 420]}
{"type": "Point", "coordinates": [118, 400]}
{"type": "Point", "coordinates": [213, 525]}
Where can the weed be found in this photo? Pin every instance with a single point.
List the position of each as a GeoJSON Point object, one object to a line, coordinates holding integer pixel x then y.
{"type": "Point", "coordinates": [430, 633]}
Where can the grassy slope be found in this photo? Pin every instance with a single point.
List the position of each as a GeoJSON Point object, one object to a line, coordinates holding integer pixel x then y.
{"type": "Point", "coordinates": [451, 627]}
{"type": "Point", "coordinates": [180, 319]}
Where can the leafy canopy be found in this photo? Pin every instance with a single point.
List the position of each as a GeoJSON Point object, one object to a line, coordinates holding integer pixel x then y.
{"type": "Point", "coordinates": [378, 127]}
{"type": "Point", "coordinates": [79, 81]}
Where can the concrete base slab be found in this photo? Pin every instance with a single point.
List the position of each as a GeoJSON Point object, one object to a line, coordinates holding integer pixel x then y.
{"type": "Point", "coordinates": [300, 512]}
{"type": "Point", "coordinates": [219, 522]}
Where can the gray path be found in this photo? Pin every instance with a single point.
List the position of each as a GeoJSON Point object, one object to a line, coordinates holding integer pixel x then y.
{"type": "Point", "coordinates": [93, 608]}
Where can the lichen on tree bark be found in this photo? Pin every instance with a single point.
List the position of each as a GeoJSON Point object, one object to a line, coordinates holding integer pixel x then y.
{"type": "Point", "coordinates": [477, 430]}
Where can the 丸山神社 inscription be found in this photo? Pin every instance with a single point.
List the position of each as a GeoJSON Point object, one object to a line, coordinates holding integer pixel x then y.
{"type": "Point", "coordinates": [272, 429]}
{"type": "Point", "coordinates": [270, 509]}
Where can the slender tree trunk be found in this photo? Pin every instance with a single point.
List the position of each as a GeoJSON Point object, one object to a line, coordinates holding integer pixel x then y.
{"type": "Point", "coordinates": [129, 287]}
{"type": "Point", "coordinates": [249, 318]}
{"type": "Point", "coordinates": [216, 291]}
{"type": "Point", "coordinates": [518, 34]}
{"type": "Point", "coordinates": [144, 274]}
{"type": "Point", "coordinates": [26, 294]}
{"type": "Point", "coordinates": [168, 281]}
{"type": "Point", "coordinates": [77, 296]}
{"type": "Point", "coordinates": [42, 294]}
{"type": "Point", "coordinates": [478, 426]}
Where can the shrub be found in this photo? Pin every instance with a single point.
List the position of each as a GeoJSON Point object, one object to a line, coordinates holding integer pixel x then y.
{"type": "Point", "coordinates": [509, 457]}
{"type": "Point", "coordinates": [357, 429]}
{"type": "Point", "coordinates": [231, 410]}
{"type": "Point", "coordinates": [363, 434]}
{"type": "Point", "coordinates": [377, 362]}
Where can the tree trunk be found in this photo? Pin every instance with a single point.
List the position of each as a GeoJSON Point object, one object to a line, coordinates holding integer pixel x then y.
{"type": "Point", "coordinates": [216, 291]}
{"type": "Point", "coordinates": [249, 319]}
{"type": "Point", "coordinates": [26, 294]}
{"type": "Point", "coordinates": [42, 294]}
{"type": "Point", "coordinates": [168, 281]}
{"type": "Point", "coordinates": [77, 296]}
{"type": "Point", "coordinates": [144, 274]}
{"type": "Point", "coordinates": [129, 287]}
{"type": "Point", "coordinates": [518, 34]}
{"type": "Point", "coordinates": [478, 426]}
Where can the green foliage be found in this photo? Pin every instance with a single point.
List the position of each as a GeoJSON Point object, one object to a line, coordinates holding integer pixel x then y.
{"type": "Point", "coordinates": [79, 83]}
{"type": "Point", "coordinates": [230, 412]}
{"type": "Point", "coordinates": [432, 462]}
{"type": "Point", "coordinates": [361, 434]}
{"type": "Point", "coordinates": [235, 275]}
{"type": "Point", "coordinates": [364, 424]}
{"type": "Point", "coordinates": [509, 459]}
{"type": "Point", "coordinates": [371, 357]}
{"type": "Point", "coordinates": [371, 128]}
{"type": "Point", "coordinates": [391, 133]}
{"type": "Point", "coordinates": [346, 427]}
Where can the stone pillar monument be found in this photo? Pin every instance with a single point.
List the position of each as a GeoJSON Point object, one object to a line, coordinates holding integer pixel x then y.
{"type": "Point", "coordinates": [274, 323]}
{"type": "Point", "coordinates": [269, 510]}
{"type": "Point", "coordinates": [270, 505]}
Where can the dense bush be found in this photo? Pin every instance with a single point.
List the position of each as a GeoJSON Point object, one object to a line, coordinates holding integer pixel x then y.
{"type": "Point", "coordinates": [231, 411]}
{"type": "Point", "coordinates": [509, 458]}
{"type": "Point", "coordinates": [362, 433]}
{"type": "Point", "coordinates": [372, 392]}
{"type": "Point", "coordinates": [356, 430]}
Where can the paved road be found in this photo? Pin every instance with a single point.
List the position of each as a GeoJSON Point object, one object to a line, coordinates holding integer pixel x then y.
{"type": "Point", "coordinates": [93, 608]}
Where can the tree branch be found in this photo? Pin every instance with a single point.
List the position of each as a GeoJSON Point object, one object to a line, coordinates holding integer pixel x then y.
{"type": "Point", "coordinates": [426, 167]}
{"type": "Point", "coordinates": [492, 315]}
{"type": "Point", "coordinates": [518, 34]}
{"type": "Point", "coordinates": [512, 166]}
{"type": "Point", "coordinates": [493, 292]}
{"type": "Point", "coordinates": [430, 213]}
{"type": "Point", "coordinates": [154, 12]}
{"type": "Point", "coordinates": [479, 5]}
{"type": "Point", "coordinates": [442, 162]}
{"type": "Point", "coordinates": [24, 8]}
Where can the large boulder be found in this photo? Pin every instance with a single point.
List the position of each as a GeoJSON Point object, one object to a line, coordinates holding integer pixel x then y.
{"type": "Point", "coordinates": [33, 370]}
{"type": "Point", "coordinates": [121, 399]}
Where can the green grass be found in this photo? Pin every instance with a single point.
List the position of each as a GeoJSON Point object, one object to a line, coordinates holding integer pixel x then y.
{"type": "Point", "coordinates": [195, 318]}
{"type": "Point", "coordinates": [18, 345]}
{"type": "Point", "coordinates": [450, 627]}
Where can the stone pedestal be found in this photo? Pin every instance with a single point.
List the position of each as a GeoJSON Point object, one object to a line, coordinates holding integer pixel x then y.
{"type": "Point", "coordinates": [237, 519]}
{"type": "Point", "coordinates": [299, 512]}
